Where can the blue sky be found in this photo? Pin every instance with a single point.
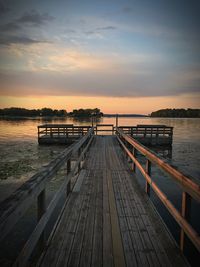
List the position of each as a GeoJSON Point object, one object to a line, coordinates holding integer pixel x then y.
{"type": "Point", "coordinates": [129, 49]}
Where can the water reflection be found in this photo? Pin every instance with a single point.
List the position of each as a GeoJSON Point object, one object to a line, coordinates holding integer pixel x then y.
{"type": "Point", "coordinates": [19, 148]}
{"type": "Point", "coordinates": [163, 151]}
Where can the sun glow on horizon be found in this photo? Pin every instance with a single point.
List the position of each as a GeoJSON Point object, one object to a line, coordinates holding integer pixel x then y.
{"type": "Point", "coordinates": [142, 105]}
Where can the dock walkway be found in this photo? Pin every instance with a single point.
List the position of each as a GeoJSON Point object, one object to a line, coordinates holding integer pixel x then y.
{"type": "Point", "coordinates": [107, 219]}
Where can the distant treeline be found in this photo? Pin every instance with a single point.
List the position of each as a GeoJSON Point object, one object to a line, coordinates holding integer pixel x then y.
{"type": "Point", "coordinates": [177, 113]}
{"type": "Point", "coordinates": [86, 112]}
{"type": "Point", "coordinates": [49, 112]}
{"type": "Point", "coordinates": [32, 112]}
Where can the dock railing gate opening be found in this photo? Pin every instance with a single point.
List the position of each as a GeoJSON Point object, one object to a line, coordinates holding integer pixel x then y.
{"type": "Point", "coordinates": [190, 189]}
{"type": "Point", "coordinates": [104, 128]}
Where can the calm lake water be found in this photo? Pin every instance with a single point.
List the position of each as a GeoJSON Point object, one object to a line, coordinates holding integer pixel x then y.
{"type": "Point", "coordinates": [21, 156]}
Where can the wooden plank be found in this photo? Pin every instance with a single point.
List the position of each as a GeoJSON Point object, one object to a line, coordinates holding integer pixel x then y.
{"type": "Point", "coordinates": [71, 230]}
{"type": "Point", "coordinates": [107, 203]}
{"type": "Point", "coordinates": [107, 237]}
{"type": "Point", "coordinates": [87, 245]}
{"type": "Point", "coordinates": [75, 252]}
{"type": "Point", "coordinates": [125, 191]}
{"type": "Point", "coordinates": [141, 227]}
{"type": "Point", "coordinates": [118, 251]}
{"type": "Point", "coordinates": [97, 247]}
{"type": "Point", "coordinates": [79, 181]}
{"type": "Point", "coordinates": [52, 251]}
{"type": "Point", "coordinates": [129, 252]}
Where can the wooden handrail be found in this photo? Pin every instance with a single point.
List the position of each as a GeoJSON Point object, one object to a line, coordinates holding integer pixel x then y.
{"type": "Point", "coordinates": [189, 186]}
{"type": "Point", "coordinates": [15, 206]}
{"type": "Point", "coordinates": [33, 239]}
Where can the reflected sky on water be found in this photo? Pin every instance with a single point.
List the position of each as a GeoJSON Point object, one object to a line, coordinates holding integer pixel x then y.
{"type": "Point", "coordinates": [21, 156]}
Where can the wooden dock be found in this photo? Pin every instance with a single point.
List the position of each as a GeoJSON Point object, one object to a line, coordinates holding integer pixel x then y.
{"type": "Point", "coordinates": [60, 133]}
{"type": "Point", "coordinates": [106, 220]}
{"type": "Point", "coordinates": [150, 135]}
{"type": "Point", "coordinates": [159, 135]}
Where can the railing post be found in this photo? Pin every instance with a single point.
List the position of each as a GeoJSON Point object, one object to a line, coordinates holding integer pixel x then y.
{"type": "Point", "coordinates": [68, 171]}
{"type": "Point", "coordinates": [79, 165]}
{"type": "Point", "coordinates": [41, 208]}
{"type": "Point", "coordinates": [116, 120]}
{"type": "Point", "coordinates": [148, 171]}
{"type": "Point", "coordinates": [135, 155]}
{"type": "Point", "coordinates": [186, 208]}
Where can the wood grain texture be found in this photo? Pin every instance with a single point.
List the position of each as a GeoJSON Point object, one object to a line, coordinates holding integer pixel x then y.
{"type": "Point", "coordinates": [107, 222]}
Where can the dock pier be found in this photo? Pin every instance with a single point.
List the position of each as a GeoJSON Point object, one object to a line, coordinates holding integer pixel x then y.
{"type": "Point", "coordinates": [68, 133]}
{"type": "Point", "coordinates": [106, 219]}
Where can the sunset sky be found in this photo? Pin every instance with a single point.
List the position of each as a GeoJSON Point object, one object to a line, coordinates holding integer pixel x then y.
{"type": "Point", "coordinates": [122, 56]}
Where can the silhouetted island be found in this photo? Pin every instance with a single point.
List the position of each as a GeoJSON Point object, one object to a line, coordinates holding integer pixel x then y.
{"type": "Point", "coordinates": [86, 112]}
{"type": "Point", "coordinates": [177, 113]}
{"type": "Point", "coordinates": [22, 112]}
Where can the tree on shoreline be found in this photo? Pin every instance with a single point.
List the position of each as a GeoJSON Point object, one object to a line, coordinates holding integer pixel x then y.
{"type": "Point", "coordinates": [177, 113]}
{"type": "Point", "coordinates": [86, 112]}
{"type": "Point", "coordinates": [32, 112]}
{"type": "Point", "coordinates": [44, 112]}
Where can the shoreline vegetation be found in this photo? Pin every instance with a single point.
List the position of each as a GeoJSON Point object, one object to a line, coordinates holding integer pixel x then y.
{"type": "Point", "coordinates": [177, 113]}
{"type": "Point", "coordinates": [96, 112]}
{"type": "Point", "coordinates": [48, 112]}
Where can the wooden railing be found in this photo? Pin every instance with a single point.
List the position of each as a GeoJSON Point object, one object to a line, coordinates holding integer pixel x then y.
{"type": "Point", "coordinates": [104, 128]}
{"type": "Point", "coordinates": [13, 208]}
{"type": "Point", "coordinates": [70, 130]}
{"type": "Point", "coordinates": [189, 188]}
{"type": "Point", "coordinates": [61, 130]}
{"type": "Point", "coordinates": [148, 130]}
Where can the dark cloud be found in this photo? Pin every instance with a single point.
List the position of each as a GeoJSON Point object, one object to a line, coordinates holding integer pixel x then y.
{"type": "Point", "coordinates": [13, 32]}
{"type": "Point", "coordinates": [69, 31]}
{"type": "Point", "coordinates": [90, 32]}
{"type": "Point", "coordinates": [10, 27]}
{"type": "Point", "coordinates": [34, 18]}
{"type": "Point", "coordinates": [3, 8]}
{"type": "Point", "coordinates": [97, 30]}
{"type": "Point", "coordinates": [106, 28]}
{"type": "Point", "coordinates": [122, 85]}
{"type": "Point", "coordinates": [31, 19]}
{"type": "Point", "coordinates": [8, 40]}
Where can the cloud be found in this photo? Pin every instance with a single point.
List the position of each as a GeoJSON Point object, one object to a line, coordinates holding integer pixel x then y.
{"type": "Point", "coordinates": [31, 19]}
{"type": "Point", "coordinates": [14, 32]}
{"type": "Point", "coordinates": [3, 8]}
{"type": "Point", "coordinates": [8, 40]}
{"type": "Point", "coordinates": [35, 19]}
{"type": "Point", "coordinates": [94, 83]}
{"type": "Point", "coordinates": [106, 28]}
{"type": "Point", "coordinates": [97, 31]}
{"type": "Point", "coordinates": [10, 27]}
